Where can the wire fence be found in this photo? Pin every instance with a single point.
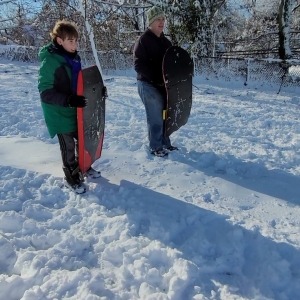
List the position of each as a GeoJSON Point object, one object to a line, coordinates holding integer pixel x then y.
{"type": "Point", "coordinates": [277, 72]}
{"type": "Point", "coordinates": [247, 70]}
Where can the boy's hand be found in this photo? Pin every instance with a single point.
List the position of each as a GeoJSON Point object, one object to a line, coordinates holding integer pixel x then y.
{"type": "Point", "coordinates": [77, 101]}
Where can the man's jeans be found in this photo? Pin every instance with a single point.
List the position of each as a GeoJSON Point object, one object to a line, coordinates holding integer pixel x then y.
{"type": "Point", "coordinates": [153, 101]}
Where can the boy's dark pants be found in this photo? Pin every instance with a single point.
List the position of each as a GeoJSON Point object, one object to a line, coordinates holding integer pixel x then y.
{"type": "Point", "coordinates": [68, 148]}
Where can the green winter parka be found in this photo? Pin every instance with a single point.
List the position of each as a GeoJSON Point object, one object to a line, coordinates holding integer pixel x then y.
{"type": "Point", "coordinates": [54, 84]}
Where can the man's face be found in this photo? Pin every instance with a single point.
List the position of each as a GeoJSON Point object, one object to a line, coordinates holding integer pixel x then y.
{"type": "Point", "coordinates": [69, 44]}
{"type": "Point", "coordinates": [158, 25]}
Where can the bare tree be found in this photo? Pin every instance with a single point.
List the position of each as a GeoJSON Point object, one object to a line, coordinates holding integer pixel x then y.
{"type": "Point", "coordinates": [16, 21]}
{"type": "Point", "coordinates": [284, 22]}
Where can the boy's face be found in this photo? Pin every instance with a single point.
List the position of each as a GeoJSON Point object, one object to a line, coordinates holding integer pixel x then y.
{"type": "Point", "coordinates": [69, 43]}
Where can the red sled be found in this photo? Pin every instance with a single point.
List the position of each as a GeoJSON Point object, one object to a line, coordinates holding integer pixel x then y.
{"type": "Point", "coordinates": [90, 119]}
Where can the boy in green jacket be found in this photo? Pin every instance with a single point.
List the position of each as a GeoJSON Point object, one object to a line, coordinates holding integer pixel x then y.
{"type": "Point", "coordinates": [57, 84]}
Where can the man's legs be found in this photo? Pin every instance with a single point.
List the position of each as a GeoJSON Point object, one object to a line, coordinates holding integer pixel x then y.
{"type": "Point", "coordinates": [153, 101]}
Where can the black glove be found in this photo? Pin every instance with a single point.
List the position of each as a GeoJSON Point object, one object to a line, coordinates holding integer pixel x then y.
{"type": "Point", "coordinates": [158, 84]}
{"type": "Point", "coordinates": [76, 101]}
{"type": "Point", "coordinates": [104, 92]}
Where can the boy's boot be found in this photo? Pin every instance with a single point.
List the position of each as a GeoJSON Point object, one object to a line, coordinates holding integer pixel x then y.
{"type": "Point", "coordinates": [73, 179]}
{"type": "Point", "coordinates": [92, 173]}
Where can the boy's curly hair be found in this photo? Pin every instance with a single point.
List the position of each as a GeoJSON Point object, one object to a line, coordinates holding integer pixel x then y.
{"type": "Point", "coordinates": [64, 29]}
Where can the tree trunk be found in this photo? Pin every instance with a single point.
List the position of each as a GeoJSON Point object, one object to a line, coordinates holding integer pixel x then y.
{"type": "Point", "coordinates": [284, 21]}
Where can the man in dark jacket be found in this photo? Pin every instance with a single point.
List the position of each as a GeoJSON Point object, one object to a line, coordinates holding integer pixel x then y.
{"type": "Point", "coordinates": [149, 51]}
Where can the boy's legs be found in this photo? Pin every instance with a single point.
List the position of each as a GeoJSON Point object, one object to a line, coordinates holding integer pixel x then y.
{"type": "Point", "coordinates": [68, 149]}
{"type": "Point", "coordinates": [67, 143]}
{"type": "Point", "coordinates": [153, 101]}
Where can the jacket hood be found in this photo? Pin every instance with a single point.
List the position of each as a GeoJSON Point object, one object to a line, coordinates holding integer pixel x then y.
{"type": "Point", "coordinates": [44, 51]}
{"type": "Point", "coordinates": [53, 48]}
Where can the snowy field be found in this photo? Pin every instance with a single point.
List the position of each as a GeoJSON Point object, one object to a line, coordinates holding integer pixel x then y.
{"type": "Point", "coordinates": [218, 219]}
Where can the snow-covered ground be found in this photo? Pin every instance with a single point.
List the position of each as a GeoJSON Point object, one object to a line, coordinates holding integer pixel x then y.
{"type": "Point", "coordinates": [219, 219]}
